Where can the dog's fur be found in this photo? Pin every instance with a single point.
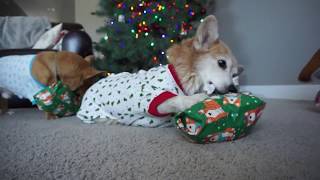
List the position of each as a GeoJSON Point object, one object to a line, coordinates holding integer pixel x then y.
{"type": "Point", "coordinates": [73, 70]}
{"type": "Point", "coordinates": [196, 63]}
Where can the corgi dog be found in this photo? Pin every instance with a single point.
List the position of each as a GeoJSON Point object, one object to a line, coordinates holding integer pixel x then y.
{"type": "Point", "coordinates": [25, 75]}
{"type": "Point", "coordinates": [198, 67]}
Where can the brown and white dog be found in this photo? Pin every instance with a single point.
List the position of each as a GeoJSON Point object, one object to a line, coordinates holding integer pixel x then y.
{"type": "Point", "coordinates": [204, 64]}
{"type": "Point", "coordinates": [198, 67]}
{"type": "Point", "coordinates": [73, 70]}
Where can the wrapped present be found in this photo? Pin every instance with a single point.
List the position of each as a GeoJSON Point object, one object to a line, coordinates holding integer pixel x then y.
{"type": "Point", "coordinates": [220, 118]}
{"type": "Point", "coordinates": [57, 99]}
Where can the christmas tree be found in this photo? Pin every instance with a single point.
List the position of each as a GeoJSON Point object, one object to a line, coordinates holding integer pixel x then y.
{"type": "Point", "coordinates": [138, 32]}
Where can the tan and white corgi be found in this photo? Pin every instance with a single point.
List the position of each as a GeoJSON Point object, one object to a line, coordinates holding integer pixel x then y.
{"type": "Point", "coordinates": [198, 67]}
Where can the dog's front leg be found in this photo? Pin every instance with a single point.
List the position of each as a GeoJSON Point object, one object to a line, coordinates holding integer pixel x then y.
{"type": "Point", "coordinates": [180, 103]}
{"type": "Point", "coordinates": [50, 116]}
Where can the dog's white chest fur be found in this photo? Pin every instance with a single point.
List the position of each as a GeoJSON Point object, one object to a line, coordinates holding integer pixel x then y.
{"type": "Point", "coordinates": [132, 99]}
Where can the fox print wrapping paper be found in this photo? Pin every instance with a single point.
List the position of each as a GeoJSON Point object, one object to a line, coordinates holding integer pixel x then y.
{"type": "Point", "coordinates": [220, 118]}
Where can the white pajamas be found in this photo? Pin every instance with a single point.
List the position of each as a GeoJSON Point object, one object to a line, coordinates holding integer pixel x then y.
{"type": "Point", "coordinates": [131, 99]}
{"type": "Point", "coordinates": [15, 76]}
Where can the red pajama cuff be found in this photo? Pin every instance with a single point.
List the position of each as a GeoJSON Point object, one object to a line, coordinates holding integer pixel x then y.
{"type": "Point", "coordinates": [153, 107]}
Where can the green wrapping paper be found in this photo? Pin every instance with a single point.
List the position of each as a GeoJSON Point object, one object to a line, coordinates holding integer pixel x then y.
{"type": "Point", "coordinates": [220, 118]}
{"type": "Point", "coordinates": [57, 99]}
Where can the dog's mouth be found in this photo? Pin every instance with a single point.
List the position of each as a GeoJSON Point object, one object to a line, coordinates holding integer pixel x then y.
{"type": "Point", "coordinates": [230, 89]}
{"type": "Point", "coordinates": [217, 92]}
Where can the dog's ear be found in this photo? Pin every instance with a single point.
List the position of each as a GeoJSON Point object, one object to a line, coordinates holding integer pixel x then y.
{"type": "Point", "coordinates": [207, 34]}
{"type": "Point", "coordinates": [240, 69]}
{"type": "Point", "coordinates": [90, 72]}
{"type": "Point", "coordinates": [76, 82]}
{"type": "Point", "coordinates": [236, 71]}
{"type": "Point", "coordinates": [89, 59]}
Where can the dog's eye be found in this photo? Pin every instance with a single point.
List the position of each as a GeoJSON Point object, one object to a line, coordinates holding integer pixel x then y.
{"type": "Point", "coordinates": [222, 63]}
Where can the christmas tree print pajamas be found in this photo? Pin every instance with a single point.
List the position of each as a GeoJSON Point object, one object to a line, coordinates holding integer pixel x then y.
{"type": "Point", "coordinates": [15, 76]}
{"type": "Point", "coordinates": [131, 99]}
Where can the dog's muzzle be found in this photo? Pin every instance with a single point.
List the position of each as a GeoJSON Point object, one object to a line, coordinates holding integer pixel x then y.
{"type": "Point", "coordinates": [230, 89]}
{"type": "Point", "coordinates": [233, 89]}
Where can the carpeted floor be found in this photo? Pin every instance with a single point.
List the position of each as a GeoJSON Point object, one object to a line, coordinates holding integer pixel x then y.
{"type": "Point", "coordinates": [285, 144]}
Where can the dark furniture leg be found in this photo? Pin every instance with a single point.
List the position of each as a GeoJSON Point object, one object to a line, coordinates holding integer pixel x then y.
{"type": "Point", "coordinates": [310, 68]}
{"type": "Point", "coordinates": [3, 105]}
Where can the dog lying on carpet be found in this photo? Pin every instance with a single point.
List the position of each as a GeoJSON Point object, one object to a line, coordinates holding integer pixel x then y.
{"type": "Point", "coordinates": [198, 67]}
{"type": "Point", "coordinates": [25, 75]}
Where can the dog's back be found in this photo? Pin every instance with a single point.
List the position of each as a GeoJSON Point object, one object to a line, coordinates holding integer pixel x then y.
{"type": "Point", "coordinates": [15, 76]}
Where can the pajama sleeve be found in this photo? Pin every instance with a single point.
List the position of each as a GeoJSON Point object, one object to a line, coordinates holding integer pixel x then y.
{"type": "Point", "coordinates": [157, 100]}
{"type": "Point", "coordinates": [155, 94]}
{"type": "Point", "coordinates": [161, 88]}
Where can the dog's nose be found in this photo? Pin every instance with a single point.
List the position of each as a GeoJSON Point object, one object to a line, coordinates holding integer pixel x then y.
{"type": "Point", "coordinates": [233, 89]}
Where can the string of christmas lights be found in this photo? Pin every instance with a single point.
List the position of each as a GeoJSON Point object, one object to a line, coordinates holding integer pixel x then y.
{"type": "Point", "coordinates": [158, 23]}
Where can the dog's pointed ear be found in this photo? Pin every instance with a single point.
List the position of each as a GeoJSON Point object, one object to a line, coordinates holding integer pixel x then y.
{"type": "Point", "coordinates": [90, 72]}
{"type": "Point", "coordinates": [207, 33]}
{"type": "Point", "coordinates": [240, 69]}
{"type": "Point", "coordinates": [89, 59]}
{"type": "Point", "coordinates": [236, 71]}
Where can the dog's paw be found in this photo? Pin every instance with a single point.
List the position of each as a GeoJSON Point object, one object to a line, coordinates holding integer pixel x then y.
{"type": "Point", "coordinates": [180, 103]}
{"type": "Point", "coordinates": [50, 116]}
{"type": "Point", "coordinates": [191, 100]}
{"type": "Point", "coordinates": [209, 88]}
{"type": "Point", "coordinates": [199, 97]}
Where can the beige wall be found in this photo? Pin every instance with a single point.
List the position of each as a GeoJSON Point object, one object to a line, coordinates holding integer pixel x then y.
{"type": "Point", "coordinates": [55, 10]}
{"type": "Point", "coordinates": [91, 23]}
{"type": "Point", "coordinates": [273, 39]}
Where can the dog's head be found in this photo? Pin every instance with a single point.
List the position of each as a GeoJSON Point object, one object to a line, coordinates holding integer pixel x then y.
{"type": "Point", "coordinates": [75, 71]}
{"type": "Point", "coordinates": [204, 63]}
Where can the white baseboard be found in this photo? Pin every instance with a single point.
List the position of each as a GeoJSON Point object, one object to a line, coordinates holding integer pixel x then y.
{"type": "Point", "coordinates": [294, 92]}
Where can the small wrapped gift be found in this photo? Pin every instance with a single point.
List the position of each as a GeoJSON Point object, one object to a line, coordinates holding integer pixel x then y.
{"type": "Point", "coordinates": [57, 99]}
{"type": "Point", "coordinates": [220, 118]}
